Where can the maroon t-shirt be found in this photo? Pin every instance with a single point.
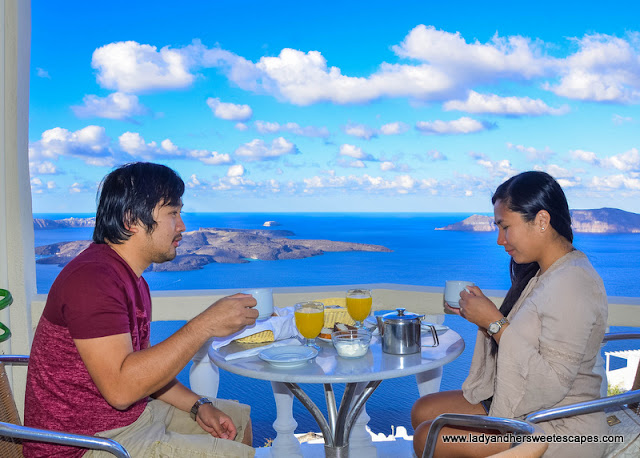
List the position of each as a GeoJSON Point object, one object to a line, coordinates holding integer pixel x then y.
{"type": "Point", "coordinates": [96, 295]}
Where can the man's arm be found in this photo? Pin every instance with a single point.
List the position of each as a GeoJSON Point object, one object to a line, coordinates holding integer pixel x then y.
{"type": "Point", "coordinates": [124, 376]}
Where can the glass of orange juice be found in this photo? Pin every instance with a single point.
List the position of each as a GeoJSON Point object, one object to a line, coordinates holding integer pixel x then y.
{"type": "Point", "coordinates": [359, 304]}
{"type": "Point", "coordinates": [309, 320]}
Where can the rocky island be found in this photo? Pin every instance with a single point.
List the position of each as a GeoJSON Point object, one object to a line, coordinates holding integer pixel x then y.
{"type": "Point", "coordinates": [601, 221]}
{"type": "Point", "coordinates": [204, 246]}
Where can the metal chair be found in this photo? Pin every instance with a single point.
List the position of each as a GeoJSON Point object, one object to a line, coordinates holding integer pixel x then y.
{"type": "Point", "coordinates": [12, 432]}
{"type": "Point", "coordinates": [630, 399]}
{"type": "Point", "coordinates": [524, 449]}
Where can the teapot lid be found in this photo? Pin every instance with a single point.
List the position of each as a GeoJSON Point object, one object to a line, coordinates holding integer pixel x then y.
{"type": "Point", "coordinates": [401, 315]}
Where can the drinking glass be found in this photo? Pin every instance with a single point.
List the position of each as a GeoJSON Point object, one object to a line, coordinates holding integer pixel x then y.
{"type": "Point", "coordinates": [359, 304]}
{"type": "Point", "coordinates": [309, 320]}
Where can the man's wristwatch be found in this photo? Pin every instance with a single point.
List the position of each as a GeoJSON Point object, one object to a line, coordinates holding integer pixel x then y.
{"type": "Point", "coordinates": [496, 326]}
{"type": "Point", "coordinates": [196, 406]}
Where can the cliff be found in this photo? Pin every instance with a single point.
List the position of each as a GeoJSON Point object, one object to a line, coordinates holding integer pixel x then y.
{"type": "Point", "coordinates": [602, 221]}
{"type": "Point", "coordinates": [204, 246]}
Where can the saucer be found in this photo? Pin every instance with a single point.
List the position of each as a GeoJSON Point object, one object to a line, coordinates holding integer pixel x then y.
{"type": "Point", "coordinates": [288, 355]}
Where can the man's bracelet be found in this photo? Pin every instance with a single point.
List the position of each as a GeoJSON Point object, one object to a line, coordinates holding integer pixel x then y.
{"type": "Point", "coordinates": [196, 406]}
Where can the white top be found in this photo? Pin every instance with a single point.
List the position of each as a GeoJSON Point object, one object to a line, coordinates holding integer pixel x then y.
{"type": "Point", "coordinates": [328, 367]}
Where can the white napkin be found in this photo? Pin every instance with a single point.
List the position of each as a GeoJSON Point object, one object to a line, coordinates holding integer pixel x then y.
{"type": "Point", "coordinates": [255, 351]}
{"type": "Point", "coordinates": [283, 327]}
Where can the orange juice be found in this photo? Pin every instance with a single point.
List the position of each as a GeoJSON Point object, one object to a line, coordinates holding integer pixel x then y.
{"type": "Point", "coordinates": [359, 307]}
{"type": "Point", "coordinates": [309, 322]}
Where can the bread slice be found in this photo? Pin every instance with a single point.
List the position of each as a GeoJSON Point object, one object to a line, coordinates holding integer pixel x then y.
{"type": "Point", "coordinates": [336, 314]}
{"type": "Point", "coordinates": [259, 337]}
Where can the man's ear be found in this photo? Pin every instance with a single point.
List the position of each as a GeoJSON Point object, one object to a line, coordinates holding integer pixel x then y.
{"type": "Point", "coordinates": [129, 225]}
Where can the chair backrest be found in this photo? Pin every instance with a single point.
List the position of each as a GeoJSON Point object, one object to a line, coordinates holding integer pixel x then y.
{"type": "Point", "coordinates": [9, 447]}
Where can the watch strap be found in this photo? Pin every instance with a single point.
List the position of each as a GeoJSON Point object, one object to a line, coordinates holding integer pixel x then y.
{"type": "Point", "coordinates": [499, 324]}
{"type": "Point", "coordinates": [196, 406]}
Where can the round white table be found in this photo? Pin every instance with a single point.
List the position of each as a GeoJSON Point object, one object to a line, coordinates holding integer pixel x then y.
{"type": "Point", "coordinates": [361, 376]}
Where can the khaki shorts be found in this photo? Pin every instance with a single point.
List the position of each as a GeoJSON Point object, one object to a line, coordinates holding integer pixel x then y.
{"type": "Point", "coordinates": [162, 431]}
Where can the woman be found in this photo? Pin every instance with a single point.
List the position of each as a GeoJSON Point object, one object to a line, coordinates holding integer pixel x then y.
{"type": "Point", "coordinates": [539, 349]}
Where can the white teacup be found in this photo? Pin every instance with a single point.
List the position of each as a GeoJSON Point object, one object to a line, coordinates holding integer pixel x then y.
{"type": "Point", "coordinates": [264, 299]}
{"type": "Point", "coordinates": [452, 290]}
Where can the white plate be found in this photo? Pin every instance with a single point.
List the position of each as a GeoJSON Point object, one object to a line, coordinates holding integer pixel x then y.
{"type": "Point", "coordinates": [288, 355]}
{"type": "Point", "coordinates": [323, 339]}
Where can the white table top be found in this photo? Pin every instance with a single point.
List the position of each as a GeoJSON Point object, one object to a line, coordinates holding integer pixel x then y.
{"type": "Point", "coordinates": [328, 367]}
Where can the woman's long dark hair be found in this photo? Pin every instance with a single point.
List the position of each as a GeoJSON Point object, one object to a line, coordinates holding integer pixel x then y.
{"type": "Point", "coordinates": [527, 194]}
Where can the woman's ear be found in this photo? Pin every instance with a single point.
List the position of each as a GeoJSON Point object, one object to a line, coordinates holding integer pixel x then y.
{"type": "Point", "coordinates": [543, 220]}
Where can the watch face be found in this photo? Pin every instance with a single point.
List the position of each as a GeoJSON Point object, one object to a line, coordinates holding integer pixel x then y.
{"type": "Point", "coordinates": [493, 328]}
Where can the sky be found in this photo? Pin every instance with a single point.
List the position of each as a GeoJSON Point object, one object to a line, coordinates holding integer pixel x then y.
{"type": "Point", "coordinates": [334, 106]}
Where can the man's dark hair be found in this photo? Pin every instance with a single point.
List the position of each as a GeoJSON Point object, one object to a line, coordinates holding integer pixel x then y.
{"type": "Point", "coordinates": [129, 194]}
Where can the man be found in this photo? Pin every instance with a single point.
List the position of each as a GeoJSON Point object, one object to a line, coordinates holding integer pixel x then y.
{"type": "Point", "coordinates": [92, 370]}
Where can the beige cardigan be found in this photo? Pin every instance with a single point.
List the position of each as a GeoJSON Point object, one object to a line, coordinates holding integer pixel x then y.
{"type": "Point", "coordinates": [547, 354]}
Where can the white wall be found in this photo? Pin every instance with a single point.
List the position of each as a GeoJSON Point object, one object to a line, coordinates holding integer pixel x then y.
{"type": "Point", "coordinates": [17, 259]}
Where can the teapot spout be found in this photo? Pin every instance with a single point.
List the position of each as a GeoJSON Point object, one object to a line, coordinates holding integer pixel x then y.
{"type": "Point", "coordinates": [380, 327]}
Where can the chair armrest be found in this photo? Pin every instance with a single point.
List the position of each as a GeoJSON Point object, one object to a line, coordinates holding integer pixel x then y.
{"type": "Point", "coordinates": [609, 336]}
{"type": "Point", "coordinates": [55, 437]}
{"type": "Point", "coordinates": [582, 408]}
{"type": "Point", "coordinates": [475, 421]}
{"type": "Point", "coordinates": [14, 359]}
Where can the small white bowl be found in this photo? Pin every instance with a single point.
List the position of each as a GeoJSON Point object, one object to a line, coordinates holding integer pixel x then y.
{"type": "Point", "coordinates": [351, 344]}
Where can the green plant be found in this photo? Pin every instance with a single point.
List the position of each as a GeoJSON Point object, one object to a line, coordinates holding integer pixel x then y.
{"type": "Point", "coordinates": [615, 389]}
{"type": "Point", "coordinates": [5, 300]}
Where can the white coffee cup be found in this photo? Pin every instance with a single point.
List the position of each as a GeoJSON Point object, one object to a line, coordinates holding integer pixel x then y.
{"type": "Point", "coordinates": [264, 299]}
{"type": "Point", "coordinates": [452, 290]}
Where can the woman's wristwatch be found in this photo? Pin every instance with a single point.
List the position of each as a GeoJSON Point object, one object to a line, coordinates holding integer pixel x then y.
{"type": "Point", "coordinates": [496, 326]}
{"type": "Point", "coordinates": [196, 406]}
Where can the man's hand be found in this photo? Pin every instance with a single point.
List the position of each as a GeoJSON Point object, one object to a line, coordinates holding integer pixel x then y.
{"type": "Point", "coordinates": [216, 422]}
{"type": "Point", "coordinates": [230, 314]}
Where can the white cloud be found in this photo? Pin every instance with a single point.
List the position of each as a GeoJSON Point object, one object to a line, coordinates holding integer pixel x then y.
{"type": "Point", "coordinates": [42, 73]}
{"type": "Point", "coordinates": [533, 154]}
{"type": "Point", "coordinates": [360, 131]}
{"type": "Point", "coordinates": [133, 144]}
{"type": "Point", "coordinates": [585, 156]}
{"type": "Point", "coordinates": [463, 125]}
{"type": "Point", "coordinates": [394, 128]}
{"type": "Point", "coordinates": [625, 162]}
{"type": "Point", "coordinates": [605, 69]}
{"type": "Point", "coordinates": [128, 66]}
{"type": "Point", "coordinates": [357, 164]}
{"type": "Point", "coordinates": [500, 168]}
{"type": "Point", "coordinates": [618, 119]}
{"type": "Point", "coordinates": [402, 184]}
{"type": "Point", "coordinates": [241, 126]}
{"type": "Point", "coordinates": [209, 157]}
{"type": "Point", "coordinates": [51, 185]}
{"type": "Point", "coordinates": [265, 127]}
{"type": "Point", "coordinates": [229, 111]}
{"type": "Point", "coordinates": [235, 171]}
{"type": "Point", "coordinates": [42, 168]}
{"type": "Point", "coordinates": [115, 106]}
{"type": "Point", "coordinates": [90, 144]}
{"type": "Point", "coordinates": [354, 152]}
{"type": "Point", "coordinates": [258, 150]}
{"type": "Point", "coordinates": [387, 166]}
{"type": "Point", "coordinates": [612, 182]}
{"type": "Point", "coordinates": [511, 106]}
{"type": "Point", "coordinates": [436, 156]}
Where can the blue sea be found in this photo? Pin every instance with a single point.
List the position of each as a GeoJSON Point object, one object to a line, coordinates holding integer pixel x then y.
{"type": "Point", "coordinates": [420, 256]}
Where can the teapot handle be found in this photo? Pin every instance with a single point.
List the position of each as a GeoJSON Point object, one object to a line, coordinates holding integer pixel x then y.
{"type": "Point", "coordinates": [434, 334]}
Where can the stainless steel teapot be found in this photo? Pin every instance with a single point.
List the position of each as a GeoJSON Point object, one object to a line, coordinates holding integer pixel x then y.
{"type": "Point", "coordinates": [400, 332]}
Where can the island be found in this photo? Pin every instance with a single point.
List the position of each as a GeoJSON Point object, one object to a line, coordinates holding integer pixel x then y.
{"type": "Point", "coordinates": [600, 221]}
{"type": "Point", "coordinates": [205, 246]}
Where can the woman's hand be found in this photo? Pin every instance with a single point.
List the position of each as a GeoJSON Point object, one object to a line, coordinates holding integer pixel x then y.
{"type": "Point", "coordinates": [476, 308]}
{"type": "Point", "coordinates": [216, 422]}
